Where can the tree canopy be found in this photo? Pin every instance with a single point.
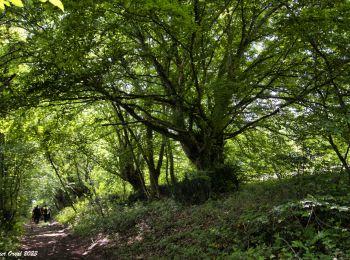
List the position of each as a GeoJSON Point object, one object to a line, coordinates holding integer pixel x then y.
{"type": "Point", "coordinates": [168, 98]}
{"type": "Point", "coordinates": [197, 72]}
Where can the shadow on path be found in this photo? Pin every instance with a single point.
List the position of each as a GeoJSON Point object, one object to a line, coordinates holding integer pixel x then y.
{"type": "Point", "coordinates": [54, 241]}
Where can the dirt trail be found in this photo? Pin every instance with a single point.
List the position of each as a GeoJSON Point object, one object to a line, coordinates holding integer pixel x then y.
{"type": "Point", "coordinates": [54, 241]}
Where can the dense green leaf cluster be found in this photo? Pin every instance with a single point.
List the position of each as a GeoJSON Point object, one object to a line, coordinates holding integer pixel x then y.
{"type": "Point", "coordinates": [110, 102]}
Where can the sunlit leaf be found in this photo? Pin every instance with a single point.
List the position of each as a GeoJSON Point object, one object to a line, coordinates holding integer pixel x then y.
{"type": "Point", "coordinates": [43, 1]}
{"type": "Point", "coordinates": [2, 5]}
{"type": "Point", "coordinates": [57, 3]}
{"type": "Point", "coordinates": [17, 3]}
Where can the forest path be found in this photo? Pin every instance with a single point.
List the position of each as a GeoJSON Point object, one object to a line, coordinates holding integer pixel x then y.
{"type": "Point", "coordinates": [55, 241]}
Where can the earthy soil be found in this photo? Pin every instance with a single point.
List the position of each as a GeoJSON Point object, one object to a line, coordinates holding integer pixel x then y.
{"type": "Point", "coordinates": [55, 241]}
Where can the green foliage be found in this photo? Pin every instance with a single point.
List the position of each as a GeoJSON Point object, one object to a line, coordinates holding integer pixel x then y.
{"type": "Point", "coordinates": [199, 186]}
{"type": "Point", "coordinates": [272, 75]}
{"type": "Point", "coordinates": [314, 226]}
{"type": "Point", "coordinates": [137, 196]}
{"type": "Point", "coordinates": [9, 239]}
{"type": "Point", "coordinates": [117, 218]}
{"type": "Point", "coordinates": [17, 166]}
{"type": "Point", "coordinates": [309, 225]}
{"type": "Point", "coordinates": [66, 216]}
{"type": "Point", "coordinates": [225, 178]}
{"type": "Point", "coordinates": [239, 76]}
{"type": "Point", "coordinates": [19, 3]}
{"type": "Point", "coordinates": [57, 3]}
{"type": "Point", "coordinates": [193, 189]}
{"type": "Point", "coordinates": [300, 217]}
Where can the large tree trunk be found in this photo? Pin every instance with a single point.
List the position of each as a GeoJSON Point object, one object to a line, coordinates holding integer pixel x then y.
{"type": "Point", "coordinates": [132, 175]}
{"type": "Point", "coordinates": [131, 170]}
{"type": "Point", "coordinates": [204, 151]}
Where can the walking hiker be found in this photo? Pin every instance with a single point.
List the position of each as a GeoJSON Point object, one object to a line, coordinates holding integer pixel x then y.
{"type": "Point", "coordinates": [36, 214]}
{"type": "Point", "coordinates": [47, 213]}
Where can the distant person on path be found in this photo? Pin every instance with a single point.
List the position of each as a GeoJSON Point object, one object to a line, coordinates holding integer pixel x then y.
{"type": "Point", "coordinates": [36, 214]}
{"type": "Point", "coordinates": [42, 213]}
{"type": "Point", "coordinates": [47, 213]}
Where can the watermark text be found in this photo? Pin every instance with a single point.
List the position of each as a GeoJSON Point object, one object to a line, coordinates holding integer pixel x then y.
{"type": "Point", "coordinates": [19, 253]}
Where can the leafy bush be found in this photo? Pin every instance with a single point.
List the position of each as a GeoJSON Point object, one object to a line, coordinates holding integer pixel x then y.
{"type": "Point", "coordinates": [9, 237]}
{"type": "Point", "coordinates": [224, 178]}
{"type": "Point", "coordinates": [66, 216]}
{"type": "Point", "coordinates": [198, 187]}
{"type": "Point", "coordinates": [316, 226]}
{"type": "Point", "coordinates": [193, 190]}
{"type": "Point", "coordinates": [136, 196]}
{"type": "Point", "coordinates": [8, 241]}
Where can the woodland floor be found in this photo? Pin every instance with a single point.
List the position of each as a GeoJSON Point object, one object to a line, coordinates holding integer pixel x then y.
{"type": "Point", "coordinates": [55, 241]}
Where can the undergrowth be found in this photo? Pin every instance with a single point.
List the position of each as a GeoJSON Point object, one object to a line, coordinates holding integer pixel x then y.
{"type": "Point", "coordinates": [302, 218]}
{"type": "Point", "coordinates": [9, 237]}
